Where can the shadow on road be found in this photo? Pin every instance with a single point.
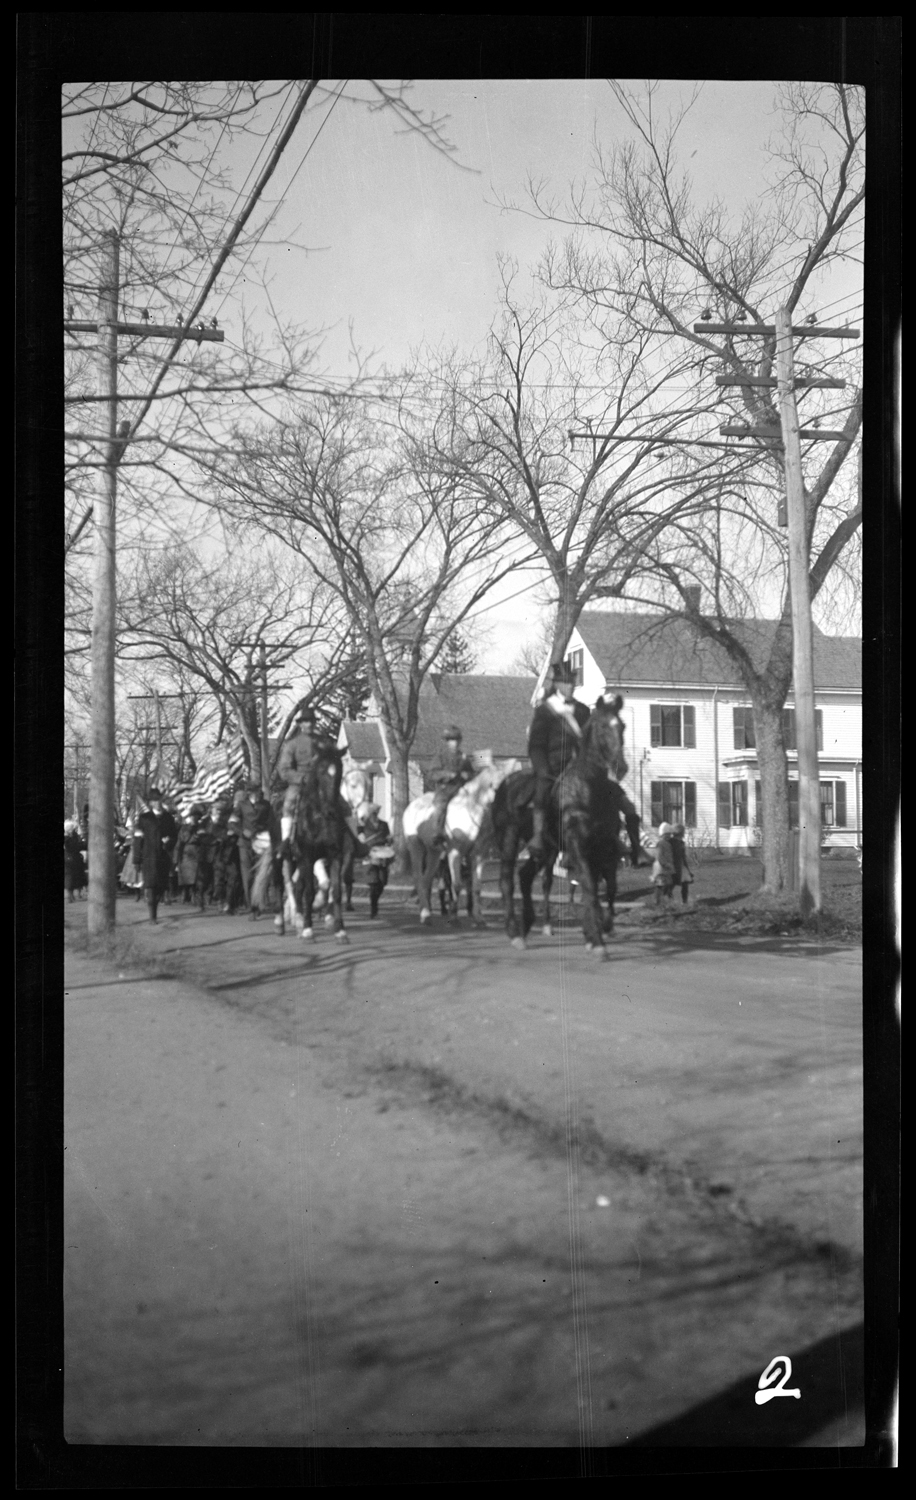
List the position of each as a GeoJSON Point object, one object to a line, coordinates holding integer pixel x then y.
{"type": "Point", "coordinates": [829, 1375]}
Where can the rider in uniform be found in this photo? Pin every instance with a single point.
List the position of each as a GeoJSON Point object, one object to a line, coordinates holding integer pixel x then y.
{"type": "Point", "coordinates": [295, 756]}
{"type": "Point", "coordinates": [553, 740]}
{"type": "Point", "coordinates": [448, 774]}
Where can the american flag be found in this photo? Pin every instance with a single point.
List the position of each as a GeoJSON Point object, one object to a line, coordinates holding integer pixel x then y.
{"type": "Point", "coordinates": [220, 769]}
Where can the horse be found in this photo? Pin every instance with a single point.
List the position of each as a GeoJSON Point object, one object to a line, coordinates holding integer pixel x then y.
{"type": "Point", "coordinates": [320, 833]}
{"type": "Point", "coordinates": [466, 835]}
{"type": "Point", "coordinates": [583, 820]}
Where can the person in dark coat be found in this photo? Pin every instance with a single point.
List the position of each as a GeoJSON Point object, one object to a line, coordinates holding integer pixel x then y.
{"type": "Point", "coordinates": [683, 875]}
{"type": "Point", "coordinates": [74, 861]}
{"type": "Point", "coordinates": [376, 836]}
{"type": "Point", "coordinates": [553, 740]}
{"type": "Point", "coordinates": [265, 850]}
{"type": "Point", "coordinates": [449, 772]}
{"type": "Point", "coordinates": [154, 843]}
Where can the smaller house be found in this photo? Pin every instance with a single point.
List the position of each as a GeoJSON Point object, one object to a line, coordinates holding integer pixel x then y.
{"type": "Point", "coordinates": [493, 714]}
{"type": "Point", "coordinates": [690, 726]}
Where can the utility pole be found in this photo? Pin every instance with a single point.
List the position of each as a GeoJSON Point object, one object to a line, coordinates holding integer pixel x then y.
{"type": "Point", "coordinates": [114, 439]}
{"type": "Point", "coordinates": [788, 435]}
{"type": "Point", "coordinates": [157, 697]}
{"type": "Point", "coordinates": [261, 645]}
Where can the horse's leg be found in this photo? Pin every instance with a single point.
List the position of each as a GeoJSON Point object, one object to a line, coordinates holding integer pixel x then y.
{"type": "Point", "coordinates": [508, 855]}
{"type": "Point", "coordinates": [588, 878]}
{"type": "Point", "coordinates": [546, 888]}
{"type": "Point", "coordinates": [336, 876]}
{"type": "Point", "coordinates": [453, 861]}
{"type": "Point", "coordinates": [307, 897]}
{"type": "Point", "coordinates": [423, 864]}
{"type": "Point", "coordinates": [526, 879]}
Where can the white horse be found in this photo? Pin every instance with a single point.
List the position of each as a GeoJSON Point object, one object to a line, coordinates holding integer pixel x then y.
{"type": "Point", "coordinates": [466, 833]}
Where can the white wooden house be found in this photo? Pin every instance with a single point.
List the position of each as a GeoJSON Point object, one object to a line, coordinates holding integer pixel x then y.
{"type": "Point", "coordinates": [690, 727]}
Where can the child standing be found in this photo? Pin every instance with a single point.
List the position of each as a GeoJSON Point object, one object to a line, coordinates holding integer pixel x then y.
{"type": "Point", "coordinates": [683, 875]}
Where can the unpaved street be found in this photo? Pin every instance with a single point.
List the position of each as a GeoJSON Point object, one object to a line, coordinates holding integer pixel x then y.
{"type": "Point", "coordinates": [424, 1190]}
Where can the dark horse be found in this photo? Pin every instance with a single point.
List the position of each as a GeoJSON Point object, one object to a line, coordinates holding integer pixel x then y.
{"type": "Point", "coordinates": [583, 821]}
{"type": "Point", "coordinates": [320, 832]}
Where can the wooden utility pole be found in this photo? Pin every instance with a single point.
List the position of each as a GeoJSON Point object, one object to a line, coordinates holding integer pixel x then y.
{"type": "Point", "coordinates": [809, 797]}
{"type": "Point", "coordinates": [792, 515]}
{"type": "Point", "coordinates": [277, 687]}
{"type": "Point", "coordinates": [102, 878]}
{"type": "Point", "coordinates": [114, 439]}
{"type": "Point", "coordinates": [157, 698]}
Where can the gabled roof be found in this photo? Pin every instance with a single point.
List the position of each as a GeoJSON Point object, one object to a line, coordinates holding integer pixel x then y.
{"type": "Point", "coordinates": [648, 648]}
{"type": "Point", "coordinates": [493, 713]}
{"type": "Point", "coordinates": [364, 739]}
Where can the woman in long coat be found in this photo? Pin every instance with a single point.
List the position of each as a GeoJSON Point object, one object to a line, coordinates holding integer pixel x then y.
{"type": "Point", "coordinates": [74, 863]}
{"type": "Point", "coordinates": [154, 842]}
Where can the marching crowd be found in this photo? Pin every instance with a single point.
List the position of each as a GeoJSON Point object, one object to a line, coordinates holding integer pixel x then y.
{"type": "Point", "coordinates": [227, 852]}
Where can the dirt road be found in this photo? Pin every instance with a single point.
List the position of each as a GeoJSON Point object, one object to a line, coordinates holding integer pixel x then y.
{"type": "Point", "coordinates": [427, 1191]}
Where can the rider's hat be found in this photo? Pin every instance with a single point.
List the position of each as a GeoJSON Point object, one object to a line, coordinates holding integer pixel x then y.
{"type": "Point", "coordinates": [154, 794]}
{"type": "Point", "coordinates": [560, 671]}
{"type": "Point", "coordinates": [305, 714]}
{"type": "Point", "coordinates": [451, 732]}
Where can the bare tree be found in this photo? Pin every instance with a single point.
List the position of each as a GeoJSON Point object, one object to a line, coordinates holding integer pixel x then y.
{"type": "Point", "coordinates": [571, 440]}
{"type": "Point", "coordinates": [649, 263]}
{"type": "Point", "coordinates": [205, 621]}
{"type": "Point", "coordinates": [362, 498]}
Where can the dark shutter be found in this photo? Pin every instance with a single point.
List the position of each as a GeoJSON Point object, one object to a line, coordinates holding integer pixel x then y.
{"type": "Point", "coordinates": [819, 728]}
{"type": "Point", "coordinates": [690, 726]}
{"type": "Point", "coordinates": [788, 728]}
{"type": "Point", "coordinates": [839, 803]}
{"type": "Point", "coordinates": [793, 804]}
{"type": "Point", "coordinates": [655, 792]}
{"type": "Point", "coordinates": [725, 804]}
{"type": "Point", "coordinates": [655, 724]}
{"type": "Point", "coordinates": [758, 805]}
{"type": "Point", "coordinates": [690, 804]}
{"type": "Point", "coordinates": [744, 728]}
{"type": "Point", "coordinates": [739, 804]}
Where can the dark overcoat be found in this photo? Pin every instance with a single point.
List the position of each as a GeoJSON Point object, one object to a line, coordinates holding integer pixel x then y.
{"type": "Point", "coordinates": [154, 843]}
{"type": "Point", "coordinates": [552, 742]}
{"type": "Point", "coordinates": [74, 863]}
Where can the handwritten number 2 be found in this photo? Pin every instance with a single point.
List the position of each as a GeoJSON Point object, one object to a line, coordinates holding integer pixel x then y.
{"type": "Point", "coordinates": [766, 1387]}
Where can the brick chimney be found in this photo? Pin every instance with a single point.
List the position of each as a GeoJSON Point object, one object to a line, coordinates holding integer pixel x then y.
{"type": "Point", "coordinates": [692, 594]}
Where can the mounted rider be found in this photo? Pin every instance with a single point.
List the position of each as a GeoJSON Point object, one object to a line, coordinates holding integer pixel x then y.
{"type": "Point", "coordinates": [295, 758]}
{"type": "Point", "coordinates": [553, 740]}
{"type": "Point", "coordinates": [449, 772]}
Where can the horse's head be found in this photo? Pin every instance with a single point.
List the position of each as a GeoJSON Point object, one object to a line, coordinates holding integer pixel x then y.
{"type": "Point", "coordinates": [602, 737]}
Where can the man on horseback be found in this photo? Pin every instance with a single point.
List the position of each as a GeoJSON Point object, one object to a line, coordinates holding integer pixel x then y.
{"type": "Point", "coordinates": [553, 741]}
{"type": "Point", "coordinates": [448, 774]}
{"type": "Point", "coordinates": [295, 758]}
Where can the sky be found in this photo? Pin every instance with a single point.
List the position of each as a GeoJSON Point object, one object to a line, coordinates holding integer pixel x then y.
{"type": "Point", "coordinates": [377, 240]}
{"type": "Point", "coordinates": [387, 244]}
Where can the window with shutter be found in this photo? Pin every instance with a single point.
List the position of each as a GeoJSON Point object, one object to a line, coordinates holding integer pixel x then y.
{"type": "Point", "coordinates": [739, 804]}
{"type": "Point", "coordinates": [690, 804]}
{"type": "Point", "coordinates": [725, 805]}
{"type": "Point", "coordinates": [826, 791]}
{"type": "Point", "coordinates": [744, 728]}
{"type": "Point", "coordinates": [656, 796]}
{"type": "Point", "coordinates": [789, 732]}
{"type": "Point", "coordinates": [840, 803]}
